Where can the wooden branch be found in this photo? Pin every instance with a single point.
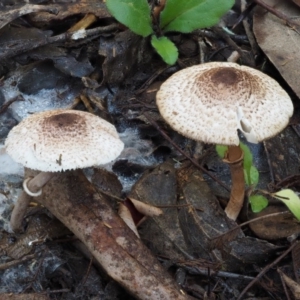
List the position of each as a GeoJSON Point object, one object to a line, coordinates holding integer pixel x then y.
{"type": "Point", "coordinates": [75, 202]}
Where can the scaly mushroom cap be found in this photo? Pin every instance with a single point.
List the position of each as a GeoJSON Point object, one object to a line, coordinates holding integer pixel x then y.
{"type": "Point", "coordinates": [60, 140]}
{"type": "Point", "coordinates": [209, 102]}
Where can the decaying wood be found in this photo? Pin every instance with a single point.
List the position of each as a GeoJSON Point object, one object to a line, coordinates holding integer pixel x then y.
{"type": "Point", "coordinates": [33, 296]}
{"type": "Point", "coordinates": [21, 46]}
{"type": "Point", "coordinates": [96, 7]}
{"type": "Point", "coordinates": [10, 15]}
{"type": "Point", "coordinates": [76, 203]}
{"type": "Point", "coordinates": [39, 228]}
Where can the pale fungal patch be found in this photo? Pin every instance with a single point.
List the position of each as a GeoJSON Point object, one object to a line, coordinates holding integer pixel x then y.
{"type": "Point", "coordinates": [210, 102]}
{"type": "Point", "coordinates": [122, 241]}
{"type": "Point", "coordinates": [245, 126]}
{"type": "Point", "coordinates": [60, 140]}
{"type": "Point", "coordinates": [79, 34]}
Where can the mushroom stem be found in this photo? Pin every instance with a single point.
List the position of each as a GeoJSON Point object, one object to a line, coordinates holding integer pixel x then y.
{"type": "Point", "coordinates": [36, 183]}
{"type": "Point", "coordinates": [33, 186]}
{"type": "Point", "coordinates": [19, 211]}
{"type": "Point", "coordinates": [234, 157]}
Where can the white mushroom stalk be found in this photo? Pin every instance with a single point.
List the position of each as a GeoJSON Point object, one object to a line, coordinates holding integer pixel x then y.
{"type": "Point", "coordinates": [212, 101]}
{"type": "Point", "coordinates": [32, 188]}
{"type": "Point", "coordinates": [59, 140]}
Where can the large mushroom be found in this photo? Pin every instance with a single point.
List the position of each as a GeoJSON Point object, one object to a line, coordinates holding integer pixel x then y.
{"type": "Point", "coordinates": [58, 140]}
{"type": "Point", "coordinates": [212, 101]}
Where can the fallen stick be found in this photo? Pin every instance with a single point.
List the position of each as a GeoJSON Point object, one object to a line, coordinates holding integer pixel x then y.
{"type": "Point", "coordinates": [71, 198]}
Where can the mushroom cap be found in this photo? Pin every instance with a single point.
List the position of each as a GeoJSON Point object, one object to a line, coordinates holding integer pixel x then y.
{"type": "Point", "coordinates": [59, 140]}
{"type": "Point", "coordinates": [209, 102]}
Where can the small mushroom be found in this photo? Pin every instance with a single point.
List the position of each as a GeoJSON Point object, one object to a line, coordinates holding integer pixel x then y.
{"type": "Point", "coordinates": [212, 101]}
{"type": "Point", "coordinates": [58, 140]}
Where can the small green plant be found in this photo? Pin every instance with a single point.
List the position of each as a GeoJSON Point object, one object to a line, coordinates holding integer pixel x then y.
{"type": "Point", "coordinates": [291, 200]}
{"type": "Point", "coordinates": [177, 15]}
{"type": "Point", "coordinates": [257, 201]}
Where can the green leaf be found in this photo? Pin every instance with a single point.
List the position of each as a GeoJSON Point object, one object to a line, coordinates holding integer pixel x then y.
{"type": "Point", "coordinates": [248, 157]}
{"type": "Point", "coordinates": [251, 176]}
{"type": "Point", "coordinates": [165, 48]}
{"type": "Point", "coordinates": [291, 200]}
{"type": "Point", "coordinates": [188, 15]}
{"type": "Point", "coordinates": [248, 165]}
{"type": "Point", "coordinates": [258, 203]}
{"type": "Point", "coordinates": [135, 14]}
{"type": "Point", "coordinates": [221, 150]}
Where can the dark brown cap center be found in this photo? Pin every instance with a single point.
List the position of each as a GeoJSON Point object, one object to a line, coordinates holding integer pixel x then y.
{"type": "Point", "coordinates": [64, 124]}
{"type": "Point", "coordinates": [224, 76]}
{"type": "Point", "coordinates": [64, 120]}
{"type": "Point", "coordinates": [227, 85]}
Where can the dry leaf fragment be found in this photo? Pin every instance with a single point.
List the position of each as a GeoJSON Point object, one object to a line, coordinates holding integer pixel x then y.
{"type": "Point", "coordinates": [146, 209]}
{"type": "Point", "coordinates": [126, 216]}
{"type": "Point", "coordinates": [293, 285]}
{"type": "Point", "coordinates": [297, 2]}
{"type": "Point", "coordinates": [279, 41]}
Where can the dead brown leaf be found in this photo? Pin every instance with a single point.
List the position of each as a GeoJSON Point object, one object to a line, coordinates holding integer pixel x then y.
{"type": "Point", "coordinates": [297, 2]}
{"type": "Point", "coordinates": [279, 41]}
{"type": "Point", "coordinates": [158, 187]}
{"type": "Point", "coordinates": [126, 216]}
{"type": "Point", "coordinates": [293, 285]}
{"type": "Point", "coordinates": [276, 227]}
{"type": "Point", "coordinates": [146, 209]}
{"type": "Point", "coordinates": [193, 219]}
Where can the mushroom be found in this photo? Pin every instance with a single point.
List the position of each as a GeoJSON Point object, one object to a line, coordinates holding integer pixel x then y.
{"type": "Point", "coordinates": [212, 101]}
{"type": "Point", "coordinates": [58, 140]}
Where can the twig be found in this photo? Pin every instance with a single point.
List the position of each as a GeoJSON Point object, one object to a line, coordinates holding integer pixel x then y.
{"type": "Point", "coordinates": [228, 40]}
{"type": "Point", "coordinates": [245, 11]}
{"type": "Point", "coordinates": [178, 206]}
{"type": "Point", "coordinates": [283, 284]}
{"type": "Point", "coordinates": [241, 39]}
{"type": "Point", "coordinates": [269, 163]}
{"type": "Point", "coordinates": [118, 199]}
{"type": "Point", "coordinates": [295, 127]}
{"type": "Point", "coordinates": [248, 30]}
{"type": "Point", "coordinates": [151, 79]}
{"type": "Point", "coordinates": [14, 13]}
{"type": "Point", "coordinates": [204, 271]}
{"type": "Point", "coordinates": [16, 262]}
{"type": "Point", "coordinates": [5, 106]}
{"type": "Point", "coordinates": [296, 260]}
{"type": "Point", "coordinates": [251, 221]}
{"type": "Point", "coordinates": [88, 271]}
{"type": "Point", "coordinates": [54, 291]}
{"type": "Point", "coordinates": [265, 269]}
{"type": "Point", "coordinates": [24, 46]}
{"type": "Point", "coordinates": [275, 12]}
{"type": "Point", "coordinates": [153, 123]}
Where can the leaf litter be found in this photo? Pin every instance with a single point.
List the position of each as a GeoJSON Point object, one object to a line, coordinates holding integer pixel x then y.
{"type": "Point", "coordinates": [113, 69]}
